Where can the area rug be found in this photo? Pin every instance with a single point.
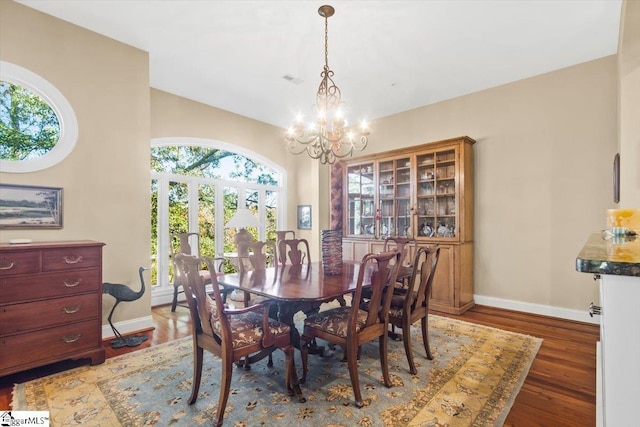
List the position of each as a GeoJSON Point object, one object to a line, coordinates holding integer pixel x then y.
{"type": "Point", "coordinates": [473, 380]}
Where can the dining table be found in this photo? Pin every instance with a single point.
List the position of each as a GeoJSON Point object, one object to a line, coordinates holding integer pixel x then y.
{"type": "Point", "coordinates": [289, 285]}
{"type": "Point", "coordinates": [301, 282]}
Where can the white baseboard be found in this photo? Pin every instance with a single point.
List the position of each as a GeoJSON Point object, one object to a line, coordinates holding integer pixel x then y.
{"type": "Point", "coordinates": [162, 296]}
{"type": "Point", "coordinates": [545, 310]}
{"type": "Point", "coordinates": [128, 326]}
{"type": "Point", "coordinates": [165, 296]}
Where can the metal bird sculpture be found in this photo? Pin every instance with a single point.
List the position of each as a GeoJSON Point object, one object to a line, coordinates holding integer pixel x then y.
{"type": "Point", "coordinates": [124, 293]}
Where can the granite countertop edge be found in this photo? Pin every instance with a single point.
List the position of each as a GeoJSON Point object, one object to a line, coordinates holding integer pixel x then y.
{"type": "Point", "coordinates": [596, 257]}
{"type": "Point", "coordinates": [608, 267]}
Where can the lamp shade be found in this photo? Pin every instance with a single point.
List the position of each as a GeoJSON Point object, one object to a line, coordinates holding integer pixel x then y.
{"type": "Point", "coordinates": [243, 218]}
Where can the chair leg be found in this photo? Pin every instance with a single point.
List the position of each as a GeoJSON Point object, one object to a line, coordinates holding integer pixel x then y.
{"type": "Point", "coordinates": [352, 362]}
{"type": "Point", "coordinates": [174, 304]}
{"type": "Point", "coordinates": [291, 376]}
{"type": "Point", "coordinates": [225, 387]}
{"type": "Point", "coordinates": [408, 349]}
{"type": "Point", "coordinates": [247, 365]}
{"type": "Point", "coordinates": [425, 337]}
{"type": "Point", "coordinates": [197, 373]}
{"type": "Point", "coordinates": [384, 360]}
{"type": "Point", "coordinates": [288, 380]}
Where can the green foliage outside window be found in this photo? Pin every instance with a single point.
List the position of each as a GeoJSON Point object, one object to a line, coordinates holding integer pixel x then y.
{"type": "Point", "coordinates": [29, 128]}
{"type": "Point", "coordinates": [212, 163]}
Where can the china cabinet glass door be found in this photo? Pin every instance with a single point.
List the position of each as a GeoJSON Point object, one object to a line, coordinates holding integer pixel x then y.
{"type": "Point", "coordinates": [436, 194]}
{"type": "Point", "coordinates": [394, 181]}
{"type": "Point", "coordinates": [360, 202]}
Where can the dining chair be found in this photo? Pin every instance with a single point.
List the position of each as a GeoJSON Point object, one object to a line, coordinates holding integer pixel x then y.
{"type": "Point", "coordinates": [402, 245]}
{"type": "Point", "coordinates": [351, 327]}
{"type": "Point", "coordinates": [257, 255]}
{"type": "Point", "coordinates": [282, 235]}
{"type": "Point", "coordinates": [407, 309]}
{"type": "Point", "coordinates": [230, 334]}
{"type": "Point", "coordinates": [294, 251]}
{"type": "Point", "coordinates": [189, 243]}
{"type": "Point", "coordinates": [297, 252]}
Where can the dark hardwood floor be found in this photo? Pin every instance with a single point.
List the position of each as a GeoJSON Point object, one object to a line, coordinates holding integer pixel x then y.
{"type": "Point", "coordinates": [559, 390]}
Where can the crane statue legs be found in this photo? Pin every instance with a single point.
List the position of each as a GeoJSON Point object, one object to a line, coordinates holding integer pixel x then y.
{"type": "Point", "coordinates": [124, 293]}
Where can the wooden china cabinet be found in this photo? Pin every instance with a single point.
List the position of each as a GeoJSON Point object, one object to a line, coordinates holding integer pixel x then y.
{"type": "Point", "coordinates": [423, 192]}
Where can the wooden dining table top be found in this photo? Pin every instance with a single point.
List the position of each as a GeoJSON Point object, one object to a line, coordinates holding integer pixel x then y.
{"type": "Point", "coordinates": [306, 282]}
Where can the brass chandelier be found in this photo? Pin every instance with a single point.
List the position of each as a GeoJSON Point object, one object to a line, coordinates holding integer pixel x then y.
{"type": "Point", "coordinates": [327, 137]}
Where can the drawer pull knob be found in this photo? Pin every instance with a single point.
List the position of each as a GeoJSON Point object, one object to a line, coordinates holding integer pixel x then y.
{"type": "Point", "coordinates": [594, 310]}
{"type": "Point", "coordinates": [72, 259]}
{"type": "Point", "coordinates": [71, 310]}
{"type": "Point", "coordinates": [71, 338]}
{"type": "Point", "coordinates": [72, 284]}
{"type": "Point", "coordinates": [7, 266]}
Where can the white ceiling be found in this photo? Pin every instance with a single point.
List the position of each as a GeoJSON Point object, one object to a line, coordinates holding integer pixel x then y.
{"type": "Point", "coordinates": [388, 56]}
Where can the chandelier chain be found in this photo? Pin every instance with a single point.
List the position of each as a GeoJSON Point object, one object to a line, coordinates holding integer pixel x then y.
{"type": "Point", "coordinates": [326, 43]}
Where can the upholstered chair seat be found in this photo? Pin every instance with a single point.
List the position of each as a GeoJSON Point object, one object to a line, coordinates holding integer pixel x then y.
{"type": "Point", "coordinates": [246, 328]}
{"type": "Point", "coordinates": [335, 321]}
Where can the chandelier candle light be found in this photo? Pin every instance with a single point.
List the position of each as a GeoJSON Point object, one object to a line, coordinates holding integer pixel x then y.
{"type": "Point", "coordinates": [327, 137]}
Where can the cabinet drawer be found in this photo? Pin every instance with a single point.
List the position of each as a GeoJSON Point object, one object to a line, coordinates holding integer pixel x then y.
{"type": "Point", "coordinates": [18, 318]}
{"type": "Point", "coordinates": [41, 286]}
{"type": "Point", "coordinates": [71, 258]}
{"type": "Point", "coordinates": [48, 344]}
{"type": "Point", "coordinates": [12, 263]}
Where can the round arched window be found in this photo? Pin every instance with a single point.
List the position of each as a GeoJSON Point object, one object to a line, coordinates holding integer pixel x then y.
{"type": "Point", "coordinates": [38, 127]}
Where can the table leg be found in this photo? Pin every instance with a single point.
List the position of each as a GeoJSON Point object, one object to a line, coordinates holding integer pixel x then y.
{"type": "Point", "coordinates": [286, 313]}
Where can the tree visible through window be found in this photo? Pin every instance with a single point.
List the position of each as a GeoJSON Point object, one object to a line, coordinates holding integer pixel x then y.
{"type": "Point", "coordinates": [29, 128]}
{"type": "Point", "coordinates": [199, 188]}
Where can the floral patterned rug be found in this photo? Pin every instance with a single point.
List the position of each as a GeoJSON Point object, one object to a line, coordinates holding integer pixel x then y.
{"type": "Point", "coordinates": [473, 380]}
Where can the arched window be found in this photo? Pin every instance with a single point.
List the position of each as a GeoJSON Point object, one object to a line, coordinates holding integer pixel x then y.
{"type": "Point", "coordinates": [197, 185]}
{"type": "Point", "coordinates": [38, 127]}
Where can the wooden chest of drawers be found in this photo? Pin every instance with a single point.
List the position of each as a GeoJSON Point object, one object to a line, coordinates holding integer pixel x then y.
{"type": "Point", "coordinates": [50, 304]}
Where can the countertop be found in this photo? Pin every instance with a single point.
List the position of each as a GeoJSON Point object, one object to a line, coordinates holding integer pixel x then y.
{"type": "Point", "coordinates": [606, 254]}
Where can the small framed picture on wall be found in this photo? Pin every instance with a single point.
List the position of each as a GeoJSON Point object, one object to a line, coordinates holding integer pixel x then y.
{"type": "Point", "coordinates": [304, 217]}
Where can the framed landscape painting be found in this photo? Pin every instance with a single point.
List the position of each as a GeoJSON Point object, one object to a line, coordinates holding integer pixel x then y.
{"type": "Point", "coordinates": [24, 206]}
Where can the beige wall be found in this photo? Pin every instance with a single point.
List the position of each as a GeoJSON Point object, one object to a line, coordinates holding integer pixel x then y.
{"type": "Point", "coordinates": [174, 116]}
{"type": "Point", "coordinates": [629, 89]}
{"type": "Point", "coordinates": [105, 179]}
{"type": "Point", "coordinates": [543, 173]}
